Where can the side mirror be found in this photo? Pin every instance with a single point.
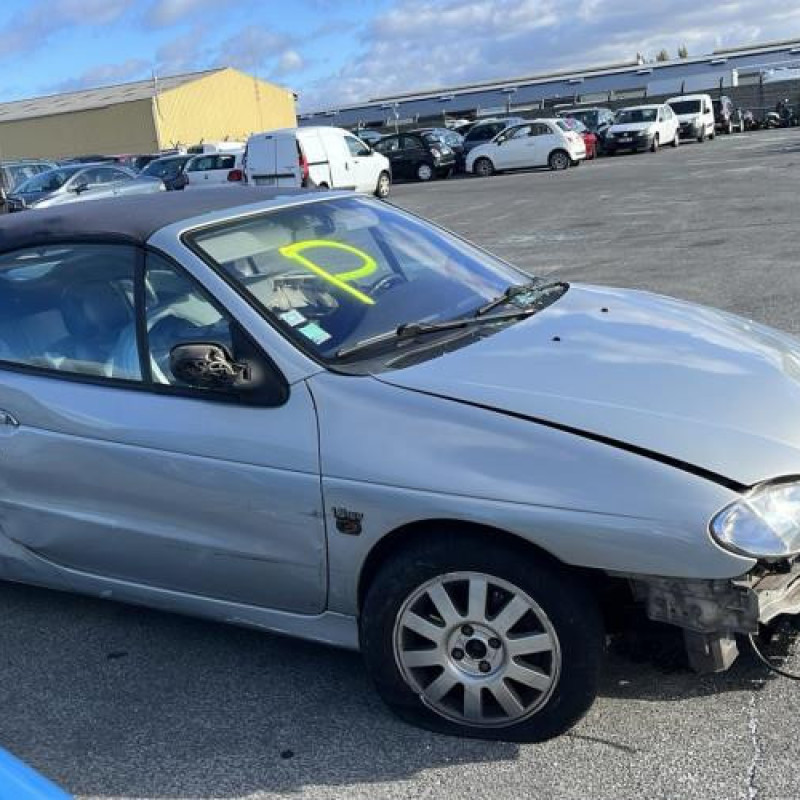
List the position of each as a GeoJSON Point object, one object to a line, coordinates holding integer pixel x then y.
{"type": "Point", "coordinates": [205, 365]}
{"type": "Point", "coordinates": [80, 188]}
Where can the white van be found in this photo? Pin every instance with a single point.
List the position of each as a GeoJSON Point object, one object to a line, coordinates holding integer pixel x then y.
{"type": "Point", "coordinates": [695, 114]}
{"type": "Point", "coordinates": [330, 158]}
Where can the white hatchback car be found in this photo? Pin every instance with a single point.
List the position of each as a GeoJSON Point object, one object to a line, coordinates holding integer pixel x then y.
{"type": "Point", "coordinates": [541, 143]}
{"type": "Point", "coordinates": [214, 169]}
{"type": "Point", "coordinates": [642, 128]}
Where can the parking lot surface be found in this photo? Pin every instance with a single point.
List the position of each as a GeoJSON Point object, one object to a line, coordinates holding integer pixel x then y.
{"type": "Point", "coordinates": [119, 702]}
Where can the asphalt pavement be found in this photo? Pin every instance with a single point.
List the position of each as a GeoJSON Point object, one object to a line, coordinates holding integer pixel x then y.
{"type": "Point", "coordinates": [119, 702]}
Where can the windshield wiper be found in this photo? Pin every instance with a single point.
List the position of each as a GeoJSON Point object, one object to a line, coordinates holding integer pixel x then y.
{"type": "Point", "coordinates": [409, 330]}
{"type": "Point", "coordinates": [515, 291]}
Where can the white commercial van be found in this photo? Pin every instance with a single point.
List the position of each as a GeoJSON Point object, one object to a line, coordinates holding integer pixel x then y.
{"type": "Point", "coordinates": [695, 114]}
{"type": "Point", "coordinates": [330, 158]}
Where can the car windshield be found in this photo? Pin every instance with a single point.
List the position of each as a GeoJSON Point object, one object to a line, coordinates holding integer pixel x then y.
{"type": "Point", "coordinates": [336, 272]}
{"type": "Point", "coordinates": [628, 115]}
{"type": "Point", "coordinates": [686, 106]}
{"type": "Point", "coordinates": [49, 181]}
{"type": "Point", "coordinates": [164, 168]}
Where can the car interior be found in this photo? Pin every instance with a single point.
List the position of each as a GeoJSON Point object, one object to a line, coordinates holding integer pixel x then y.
{"type": "Point", "coordinates": [71, 309]}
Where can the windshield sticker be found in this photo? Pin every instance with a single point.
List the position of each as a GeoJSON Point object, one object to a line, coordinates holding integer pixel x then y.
{"type": "Point", "coordinates": [293, 318]}
{"type": "Point", "coordinates": [339, 279]}
{"type": "Point", "coordinates": [315, 333]}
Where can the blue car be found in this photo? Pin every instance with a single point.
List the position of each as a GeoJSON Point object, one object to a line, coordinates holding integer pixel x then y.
{"type": "Point", "coordinates": [19, 782]}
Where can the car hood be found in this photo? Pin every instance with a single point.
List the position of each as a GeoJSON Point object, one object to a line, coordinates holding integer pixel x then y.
{"type": "Point", "coordinates": [697, 387]}
{"type": "Point", "coordinates": [631, 127]}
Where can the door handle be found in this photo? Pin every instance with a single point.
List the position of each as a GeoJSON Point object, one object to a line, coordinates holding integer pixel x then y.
{"type": "Point", "coordinates": [8, 419]}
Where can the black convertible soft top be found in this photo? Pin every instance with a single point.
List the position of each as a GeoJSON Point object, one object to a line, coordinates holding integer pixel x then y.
{"type": "Point", "coordinates": [134, 218]}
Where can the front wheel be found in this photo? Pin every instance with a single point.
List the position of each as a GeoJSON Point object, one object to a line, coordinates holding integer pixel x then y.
{"type": "Point", "coordinates": [559, 160]}
{"type": "Point", "coordinates": [676, 142]}
{"type": "Point", "coordinates": [384, 185]}
{"type": "Point", "coordinates": [655, 145]}
{"type": "Point", "coordinates": [483, 168]}
{"type": "Point", "coordinates": [467, 636]}
{"type": "Point", "coordinates": [424, 172]}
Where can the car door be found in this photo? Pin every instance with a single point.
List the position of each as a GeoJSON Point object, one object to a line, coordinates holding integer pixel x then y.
{"type": "Point", "coordinates": [415, 152]}
{"type": "Point", "coordinates": [391, 148]}
{"type": "Point", "coordinates": [516, 148]}
{"type": "Point", "coordinates": [363, 164]}
{"type": "Point", "coordinates": [545, 140]}
{"type": "Point", "coordinates": [199, 170]}
{"type": "Point", "coordinates": [113, 468]}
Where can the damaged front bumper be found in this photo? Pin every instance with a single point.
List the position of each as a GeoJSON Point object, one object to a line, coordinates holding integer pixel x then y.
{"type": "Point", "coordinates": [712, 612]}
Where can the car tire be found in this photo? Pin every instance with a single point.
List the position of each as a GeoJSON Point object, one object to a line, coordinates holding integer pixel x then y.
{"type": "Point", "coordinates": [701, 137]}
{"type": "Point", "coordinates": [477, 686]}
{"type": "Point", "coordinates": [729, 127]}
{"type": "Point", "coordinates": [425, 172]}
{"type": "Point", "coordinates": [676, 142]}
{"type": "Point", "coordinates": [483, 167]}
{"type": "Point", "coordinates": [384, 185]}
{"type": "Point", "coordinates": [559, 160]}
{"type": "Point", "coordinates": [655, 145]}
{"type": "Point", "coordinates": [712, 135]}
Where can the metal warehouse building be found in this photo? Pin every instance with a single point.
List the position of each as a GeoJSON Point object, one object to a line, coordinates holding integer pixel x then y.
{"type": "Point", "coordinates": [145, 116]}
{"type": "Point", "coordinates": [749, 74]}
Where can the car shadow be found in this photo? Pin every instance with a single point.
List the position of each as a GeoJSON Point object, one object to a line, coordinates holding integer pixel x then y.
{"type": "Point", "coordinates": [118, 701]}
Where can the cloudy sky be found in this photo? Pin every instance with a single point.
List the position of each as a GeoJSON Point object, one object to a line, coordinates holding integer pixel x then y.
{"type": "Point", "coordinates": [334, 52]}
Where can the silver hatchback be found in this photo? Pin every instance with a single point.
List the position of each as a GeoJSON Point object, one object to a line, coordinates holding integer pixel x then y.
{"type": "Point", "coordinates": [315, 414]}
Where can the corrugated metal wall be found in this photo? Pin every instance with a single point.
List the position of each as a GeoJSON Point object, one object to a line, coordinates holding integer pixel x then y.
{"type": "Point", "coordinates": [122, 128]}
{"type": "Point", "coordinates": [226, 105]}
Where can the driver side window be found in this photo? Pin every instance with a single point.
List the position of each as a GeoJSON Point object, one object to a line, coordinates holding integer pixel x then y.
{"type": "Point", "coordinates": [177, 311]}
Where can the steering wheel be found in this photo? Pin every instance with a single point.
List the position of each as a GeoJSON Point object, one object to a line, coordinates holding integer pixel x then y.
{"type": "Point", "coordinates": [386, 283]}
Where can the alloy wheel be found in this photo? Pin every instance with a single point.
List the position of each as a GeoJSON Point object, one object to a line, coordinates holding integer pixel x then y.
{"type": "Point", "coordinates": [477, 650]}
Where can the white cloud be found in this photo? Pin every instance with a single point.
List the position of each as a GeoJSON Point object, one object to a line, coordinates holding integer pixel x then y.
{"type": "Point", "coordinates": [418, 45]}
{"type": "Point", "coordinates": [33, 29]}
{"type": "Point", "coordinates": [290, 61]}
{"type": "Point", "coordinates": [252, 48]}
{"type": "Point", "coordinates": [164, 13]}
{"type": "Point", "coordinates": [105, 75]}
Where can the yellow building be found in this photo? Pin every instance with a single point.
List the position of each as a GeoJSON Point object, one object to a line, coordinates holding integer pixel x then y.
{"type": "Point", "coordinates": [145, 116]}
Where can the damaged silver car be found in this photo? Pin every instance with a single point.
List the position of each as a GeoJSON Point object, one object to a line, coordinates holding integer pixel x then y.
{"type": "Point", "coordinates": [315, 414]}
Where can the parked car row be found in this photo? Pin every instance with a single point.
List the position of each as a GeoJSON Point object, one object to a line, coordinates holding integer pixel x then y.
{"type": "Point", "coordinates": [572, 135]}
{"type": "Point", "coordinates": [334, 158]}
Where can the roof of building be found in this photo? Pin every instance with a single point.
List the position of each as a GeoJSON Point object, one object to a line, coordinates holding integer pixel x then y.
{"type": "Point", "coordinates": [576, 75]}
{"type": "Point", "coordinates": [96, 98]}
{"type": "Point", "coordinates": [134, 218]}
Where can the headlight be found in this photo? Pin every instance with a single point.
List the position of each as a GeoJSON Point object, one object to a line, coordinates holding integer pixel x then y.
{"type": "Point", "coordinates": [645, 132]}
{"type": "Point", "coordinates": [765, 523]}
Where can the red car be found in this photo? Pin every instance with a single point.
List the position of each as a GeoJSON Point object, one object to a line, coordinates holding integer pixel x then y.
{"type": "Point", "coordinates": [589, 138]}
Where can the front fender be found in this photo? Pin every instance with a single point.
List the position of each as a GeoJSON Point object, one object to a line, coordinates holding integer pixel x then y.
{"type": "Point", "coordinates": [395, 456]}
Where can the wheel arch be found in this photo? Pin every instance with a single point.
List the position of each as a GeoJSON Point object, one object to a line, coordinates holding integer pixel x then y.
{"type": "Point", "coordinates": [558, 150]}
{"type": "Point", "coordinates": [407, 535]}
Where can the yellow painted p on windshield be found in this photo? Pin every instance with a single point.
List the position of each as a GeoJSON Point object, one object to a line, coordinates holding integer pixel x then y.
{"type": "Point", "coordinates": [339, 279]}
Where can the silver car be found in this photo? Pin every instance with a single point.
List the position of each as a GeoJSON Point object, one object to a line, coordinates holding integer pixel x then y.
{"type": "Point", "coordinates": [315, 414]}
{"type": "Point", "coordinates": [78, 182]}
